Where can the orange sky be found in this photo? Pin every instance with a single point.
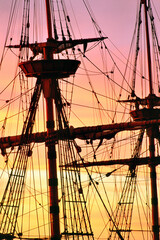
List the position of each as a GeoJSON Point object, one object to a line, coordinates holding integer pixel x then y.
{"type": "Point", "coordinates": [115, 17]}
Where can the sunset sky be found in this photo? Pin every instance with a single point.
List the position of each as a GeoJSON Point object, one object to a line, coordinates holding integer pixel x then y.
{"type": "Point", "coordinates": [116, 19]}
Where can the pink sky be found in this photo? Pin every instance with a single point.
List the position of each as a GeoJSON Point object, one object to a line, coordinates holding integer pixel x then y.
{"type": "Point", "coordinates": [116, 18]}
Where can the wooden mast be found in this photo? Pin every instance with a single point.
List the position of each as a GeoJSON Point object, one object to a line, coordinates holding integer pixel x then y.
{"type": "Point", "coordinates": [47, 84]}
{"type": "Point", "coordinates": [152, 165]}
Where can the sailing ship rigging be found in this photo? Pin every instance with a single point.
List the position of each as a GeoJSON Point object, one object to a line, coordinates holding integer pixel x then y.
{"type": "Point", "coordinates": [55, 175]}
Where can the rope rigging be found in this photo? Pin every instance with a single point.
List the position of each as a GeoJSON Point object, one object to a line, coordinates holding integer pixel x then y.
{"type": "Point", "coordinates": [156, 46]}
{"type": "Point", "coordinates": [10, 22]}
{"type": "Point", "coordinates": [10, 203]}
{"type": "Point", "coordinates": [137, 52]}
{"type": "Point", "coordinates": [12, 196]}
{"type": "Point", "coordinates": [74, 203]}
{"type": "Point", "coordinates": [123, 213]}
{"type": "Point", "coordinates": [24, 40]}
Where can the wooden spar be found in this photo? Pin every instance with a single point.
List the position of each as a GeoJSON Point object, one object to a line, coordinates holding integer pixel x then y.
{"type": "Point", "coordinates": [93, 132]}
{"type": "Point", "coordinates": [13, 141]}
{"type": "Point", "coordinates": [57, 46]}
{"type": "Point", "coordinates": [127, 161]}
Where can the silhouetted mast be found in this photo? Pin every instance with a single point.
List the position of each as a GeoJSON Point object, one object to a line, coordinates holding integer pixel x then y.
{"type": "Point", "coordinates": [52, 164]}
{"type": "Point", "coordinates": [151, 130]}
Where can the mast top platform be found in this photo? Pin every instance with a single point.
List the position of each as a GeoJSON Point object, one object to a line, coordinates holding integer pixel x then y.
{"type": "Point", "coordinates": [54, 68]}
{"type": "Point", "coordinates": [49, 67]}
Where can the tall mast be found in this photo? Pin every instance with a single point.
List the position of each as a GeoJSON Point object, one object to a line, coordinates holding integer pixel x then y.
{"type": "Point", "coordinates": [48, 84]}
{"type": "Point", "coordinates": [151, 130]}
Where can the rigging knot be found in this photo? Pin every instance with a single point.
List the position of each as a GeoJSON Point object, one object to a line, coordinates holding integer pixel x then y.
{"type": "Point", "coordinates": [3, 152]}
{"type": "Point", "coordinates": [78, 148]}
